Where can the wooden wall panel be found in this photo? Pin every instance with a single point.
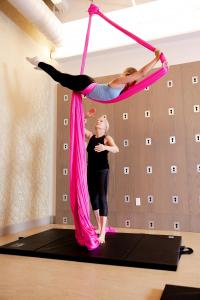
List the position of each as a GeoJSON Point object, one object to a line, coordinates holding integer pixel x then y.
{"type": "Point", "coordinates": [176, 197]}
{"type": "Point", "coordinates": [191, 126]}
{"type": "Point", "coordinates": [62, 156]}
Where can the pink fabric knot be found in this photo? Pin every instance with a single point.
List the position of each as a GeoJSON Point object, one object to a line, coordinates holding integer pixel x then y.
{"type": "Point", "coordinates": [93, 9]}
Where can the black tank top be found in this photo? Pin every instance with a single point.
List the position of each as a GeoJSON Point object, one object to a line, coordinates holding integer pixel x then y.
{"type": "Point", "coordinates": [97, 160]}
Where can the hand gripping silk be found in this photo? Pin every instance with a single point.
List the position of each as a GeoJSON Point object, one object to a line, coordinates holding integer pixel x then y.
{"type": "Point", "coordinates": [79, 198]}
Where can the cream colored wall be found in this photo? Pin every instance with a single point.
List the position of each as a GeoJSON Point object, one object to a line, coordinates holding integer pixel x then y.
{"type": "Point", "coordinates": [27, 125]}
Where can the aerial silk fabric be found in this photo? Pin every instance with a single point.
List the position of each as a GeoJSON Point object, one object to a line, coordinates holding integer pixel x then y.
{"type": "Point", "coordinates": [79, 197]}
{"type": "Point", "coordinates": [141, 85]}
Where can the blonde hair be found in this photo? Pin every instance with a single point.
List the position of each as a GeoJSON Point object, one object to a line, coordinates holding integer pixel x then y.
{"type": "Point", "coordinates": [129, 71]}
{"type": "Point", "coordinates": [106, 123]}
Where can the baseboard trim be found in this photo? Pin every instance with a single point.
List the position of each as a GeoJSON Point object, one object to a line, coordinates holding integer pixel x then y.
{"type": "Point", "coordinates": [14, 228]}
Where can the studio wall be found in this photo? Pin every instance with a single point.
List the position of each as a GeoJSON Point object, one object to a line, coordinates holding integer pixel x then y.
{"type": "Point", "coordinates": [154, 179]}
{"type": "Point", "coordinates": [27, 99]}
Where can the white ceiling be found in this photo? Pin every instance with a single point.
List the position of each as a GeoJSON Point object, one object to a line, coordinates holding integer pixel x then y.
{"type": "Point", "coordinates": [71, 10]}
{"type": "Point", "coordinates": [150, 20]}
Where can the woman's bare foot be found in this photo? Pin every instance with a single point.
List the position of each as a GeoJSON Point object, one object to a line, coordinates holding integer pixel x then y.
{"type": "Point", "coordinates": [34, 61]}
{"type": "Point", "coordinates": [101, 238]}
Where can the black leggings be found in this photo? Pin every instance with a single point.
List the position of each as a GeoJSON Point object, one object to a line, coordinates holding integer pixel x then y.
{"type": "Point", "coordinates": [98, 186]}
{"type": "Point", "coordinates": [72, 82]}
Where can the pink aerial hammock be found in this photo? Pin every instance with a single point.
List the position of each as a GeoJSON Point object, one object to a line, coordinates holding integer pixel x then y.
{"type": "Point", "coordinates": [93, 9]}
{"type": "Point", "coordinates": [79, 198]}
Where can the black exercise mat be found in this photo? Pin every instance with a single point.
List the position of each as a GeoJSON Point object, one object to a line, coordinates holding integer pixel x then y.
{"type": "Point", "coordinates": [175, 292]}
{"type": "Point", "coordinates": [124, 249]}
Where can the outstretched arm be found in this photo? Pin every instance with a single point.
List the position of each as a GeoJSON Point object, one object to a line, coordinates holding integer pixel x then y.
{"type": "Point", "coordinates": [89, 114]}
{"type": "Point", "coordinates": [123, 79]}
{"type": "Point", "coordinates": [88, 134]}
{"type": "Point", "coordinates": [144, 70]}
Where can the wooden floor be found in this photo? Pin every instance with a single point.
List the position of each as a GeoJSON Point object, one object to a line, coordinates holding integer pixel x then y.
{"type": "Point", "coordinates": [27, 278]}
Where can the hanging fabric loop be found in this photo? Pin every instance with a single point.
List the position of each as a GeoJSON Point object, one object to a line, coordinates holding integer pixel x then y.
{"type": "Point", "coordinates": [150, 79]}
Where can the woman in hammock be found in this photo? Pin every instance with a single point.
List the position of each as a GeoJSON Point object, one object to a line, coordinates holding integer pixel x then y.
{"type": "Point", "coordinates": [101, 92]}
{"type": "Point", "coordinates": [99, 144]}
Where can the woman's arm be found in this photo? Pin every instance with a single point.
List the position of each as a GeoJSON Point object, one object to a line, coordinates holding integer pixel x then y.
{"type": "Point", "coordinates": [89, 114]}
{"type": "Point", "coordinates": [123, 79]}
{"type": "Point", "coordinates": [144, 70]}
{"type": "Point", "coordinates": [88, 134]}
{"type": "Point", "coordinates": [109, 145]}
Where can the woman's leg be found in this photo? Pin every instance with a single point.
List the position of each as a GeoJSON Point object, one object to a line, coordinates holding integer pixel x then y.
{"type": "Point", "coordinates": [103, 222]}
{"type": "Point", "coordinates": [98, 221]}
{"type": "Point", "coordinates": [103, 204]}
{"type": "Point", "coordinates": [97, 187]}
{"type": "Point", "coordinates": [94, 199]}
{"type": "Point", "coordinates": [72, 82]}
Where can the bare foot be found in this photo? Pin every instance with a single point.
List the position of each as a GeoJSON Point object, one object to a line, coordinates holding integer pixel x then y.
{"type": "Point", "coordinates": [34, 61]}
{"type": "Point", "coordinates": [101, 238]}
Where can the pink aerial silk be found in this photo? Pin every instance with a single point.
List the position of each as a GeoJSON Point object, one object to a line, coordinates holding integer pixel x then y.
{"type": "Point", "coordinates": [93, 9]}
{"type": "Point", "coordinates": [85, 233]}
{"type": "Point", "coordinates": [79, 198]}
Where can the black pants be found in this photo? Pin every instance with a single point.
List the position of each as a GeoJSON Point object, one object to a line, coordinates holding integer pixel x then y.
{"type": "Point", "coordinates": [72, 82]}
{"type": "Point", "coordinates": [98, 186]}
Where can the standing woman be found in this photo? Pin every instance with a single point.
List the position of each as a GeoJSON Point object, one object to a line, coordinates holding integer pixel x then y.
{"type": "Point", "coordinates": [99, 145]}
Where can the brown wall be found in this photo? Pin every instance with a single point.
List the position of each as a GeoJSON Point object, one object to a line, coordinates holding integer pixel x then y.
{"type": "Point", "coordinates": [160, 155]}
